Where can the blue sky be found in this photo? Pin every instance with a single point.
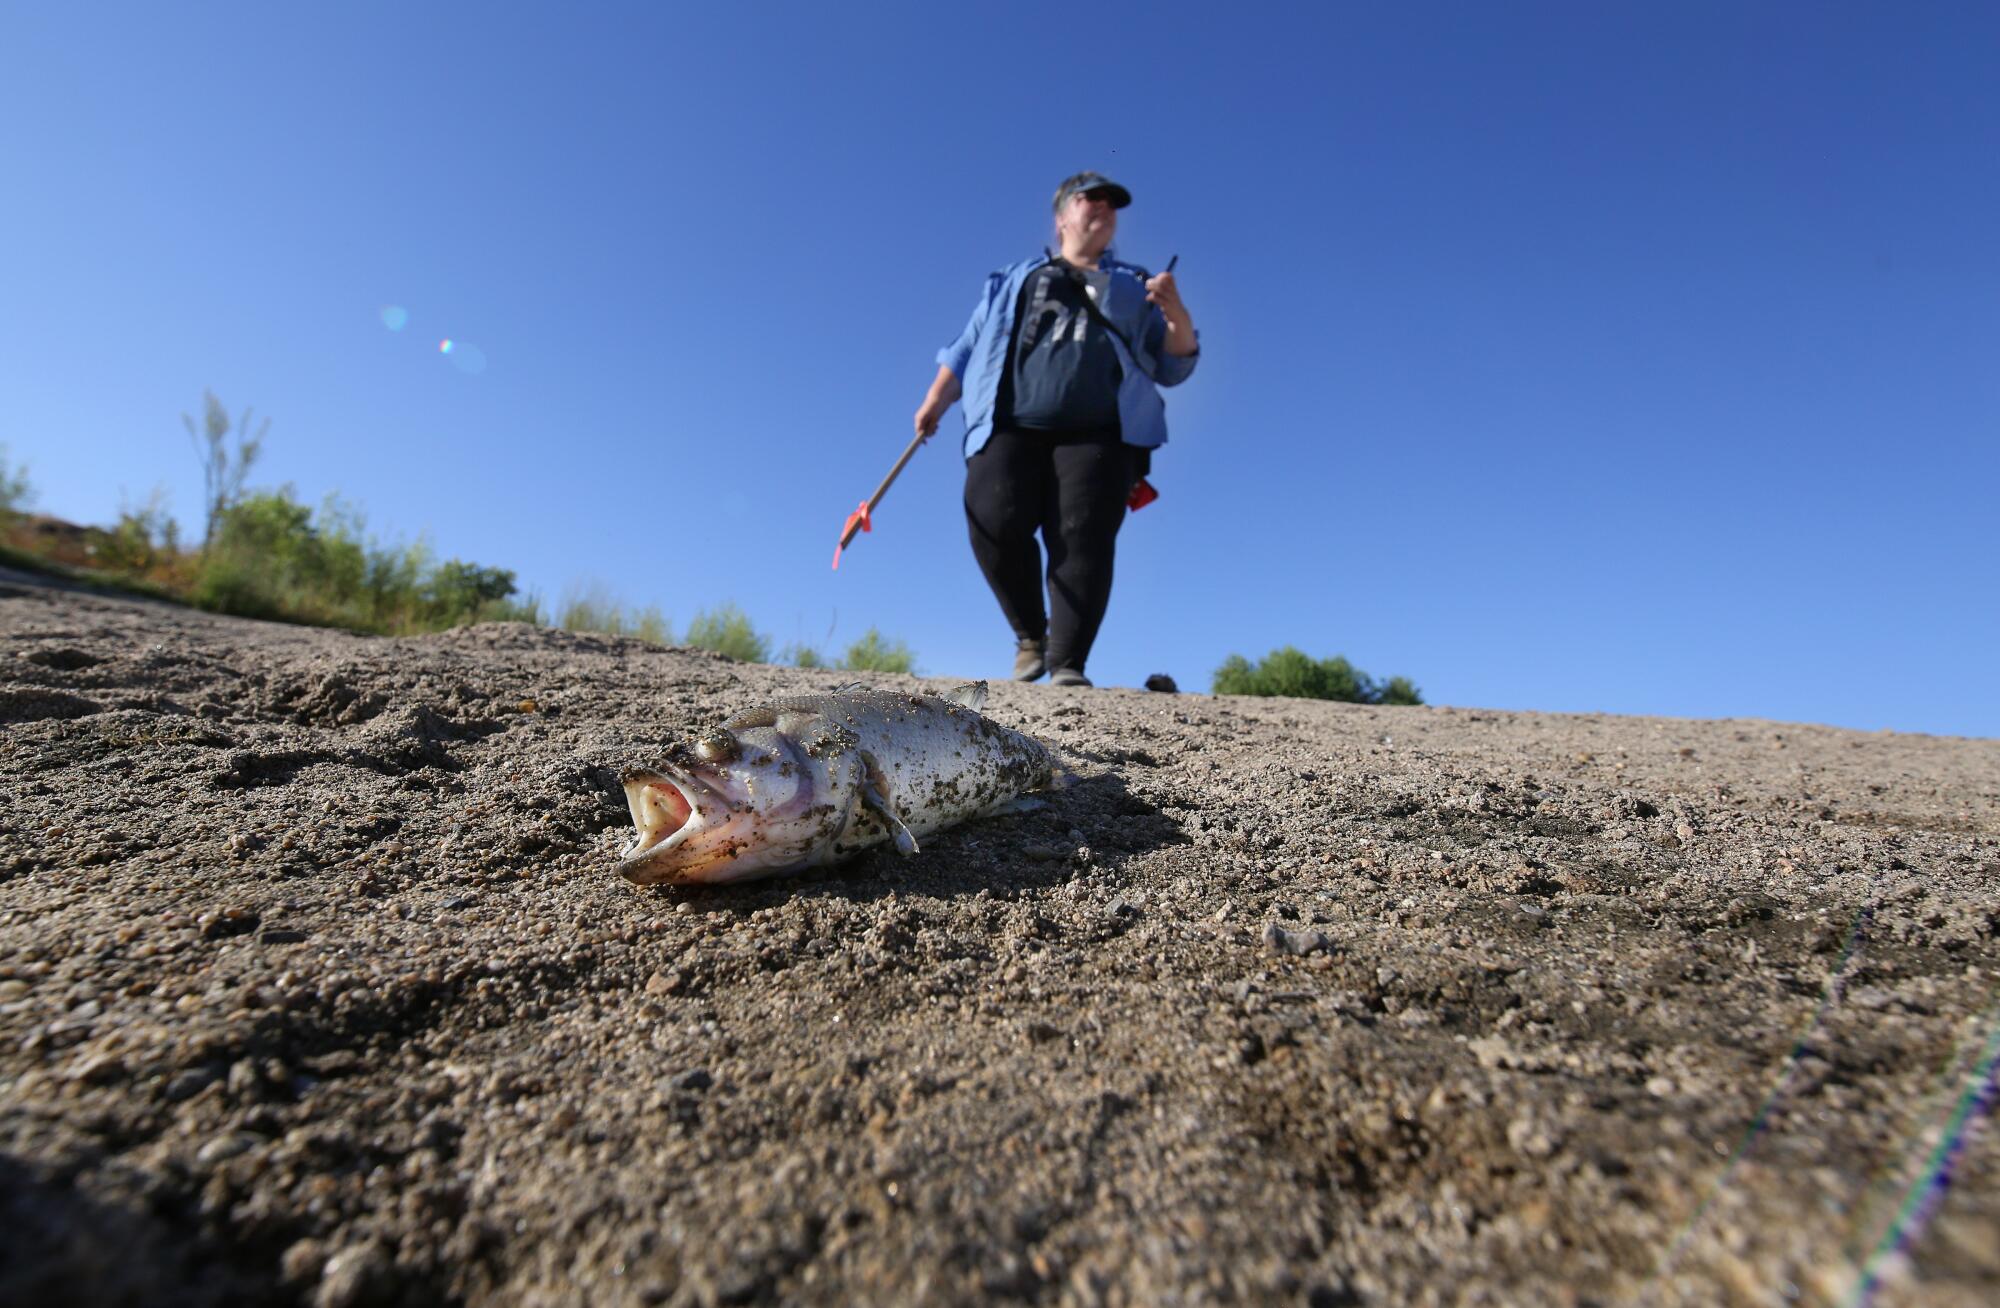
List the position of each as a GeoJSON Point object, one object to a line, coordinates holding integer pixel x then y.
{"type": "Point", "coordinates": [1583, 357]}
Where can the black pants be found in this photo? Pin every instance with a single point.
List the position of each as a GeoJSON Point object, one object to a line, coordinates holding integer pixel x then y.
{"type": "Point", "coordinates": [1073, 488]}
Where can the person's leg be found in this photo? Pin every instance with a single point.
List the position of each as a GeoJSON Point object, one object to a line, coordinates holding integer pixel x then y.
{"type": "Point", "coordinates": [1092, 480]}
{"type": "Point", "coordinates": [1006, 484]}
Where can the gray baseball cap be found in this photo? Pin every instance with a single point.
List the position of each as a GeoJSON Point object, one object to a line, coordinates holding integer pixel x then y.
{"type": "Point", "coordinates": [1119, 196]}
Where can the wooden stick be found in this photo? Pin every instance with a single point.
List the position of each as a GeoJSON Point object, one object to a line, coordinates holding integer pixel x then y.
{"type": "Point", "coordinates": [875, 499]}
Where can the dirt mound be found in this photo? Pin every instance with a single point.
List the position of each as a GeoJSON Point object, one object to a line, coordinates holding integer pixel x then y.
{"type": "Point", "coordinates": [316, 987]}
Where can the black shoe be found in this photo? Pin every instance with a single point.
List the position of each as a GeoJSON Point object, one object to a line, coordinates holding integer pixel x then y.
{"type": "Point", "coordinates": [1068, 677]}
{"type": "Point", "coordinates": [1031, 659]}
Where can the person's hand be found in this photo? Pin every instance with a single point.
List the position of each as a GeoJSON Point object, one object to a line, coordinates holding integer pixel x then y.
{"type": "Point", "coordinates": [928, 414]}
{"type": "Point", "coordinates": [1163, 291]}
{"type": "Point", "coordinates": [944, 391]}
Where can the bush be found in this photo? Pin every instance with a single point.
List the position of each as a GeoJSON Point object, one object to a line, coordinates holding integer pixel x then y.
{"type": "Point", "coordinates": [593, 608]}
{"type": "Point", "coordinates": [874, 654]}
{"type": "Point", "coordinates": [727, 630]}
{"type": "Point", "coordinates": [222, 471]}
{"type": "Point", "coordinates": [1401, 690]}
{"type": "Point", "coordinates": [458, 587]}
{"type": "Point", "coordinates": [392, 576]}
{"type": "Point", "coordinates": [233, 584]}
{"type": "Point", "coordinates": [15, 492]}
{"type": "Point", "coordinates": [803, 656]}
{"type": "Point", "coordinates": [261, 548]}
{"type": "Point", "coordinates": [263, 554]}
{"type": "Point", "coordinates": [651, 625]}
{"type": "Point", "coordinates": [270, 558]}
{"type": "Point", "coordinates": [1289, 671]}
{"type": "Point", "coordinates": [144, 539]}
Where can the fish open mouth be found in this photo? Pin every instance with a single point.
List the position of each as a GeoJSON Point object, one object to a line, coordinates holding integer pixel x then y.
{"type": "Point", "coordinates": [662, 812]}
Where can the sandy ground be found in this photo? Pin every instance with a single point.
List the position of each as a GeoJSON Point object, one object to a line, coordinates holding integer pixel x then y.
{"type": "Point", "coordinates": [316, 986]}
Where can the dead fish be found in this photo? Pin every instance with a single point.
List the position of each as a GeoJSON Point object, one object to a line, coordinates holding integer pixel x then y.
{"type": "Point", "coordinates": [811, 780]}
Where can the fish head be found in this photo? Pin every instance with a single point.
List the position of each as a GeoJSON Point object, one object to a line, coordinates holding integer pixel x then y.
{"type": "Point", "coordinates": [735, 805]}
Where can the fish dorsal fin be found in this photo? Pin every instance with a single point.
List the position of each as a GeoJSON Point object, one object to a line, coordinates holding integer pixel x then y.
{"type": "Point", "coordinates": [849, 687]}
{"type": "Point", "coordinates": [972, 694]}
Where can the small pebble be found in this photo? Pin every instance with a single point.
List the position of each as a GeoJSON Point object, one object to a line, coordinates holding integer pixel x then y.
{"type": "Point", "coordinates": [302, 1262]}
{"type": "Point", "coordinates": [353, 1276]}
{"type": "Point", "coordinates": [1525, 1137]}
{"type": "Point", "coordinates": [223, 923]}
{"type": "Point", "coordinates": [1298, 943]}
{"type": "Point", "coordinates": [100, 1069]}
{"type": "Point", "coordinates": [226, 1146]}
{"type": "Point", "coordinates": [190, 1083]}
{"type": "Point", "coordinates": [244, 1083]}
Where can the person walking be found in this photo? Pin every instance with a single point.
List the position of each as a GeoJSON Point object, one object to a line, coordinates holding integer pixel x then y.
{"type": "Point", "coordinates": [1059, 367]}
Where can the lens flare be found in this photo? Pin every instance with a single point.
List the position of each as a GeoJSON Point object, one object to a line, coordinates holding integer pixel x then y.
{"type": "Point", "coordinates": [444, 346]}
{"type": "Point", "coordinates": [394, 317]}
{"type": "Point", "coordinates": [465, 356]}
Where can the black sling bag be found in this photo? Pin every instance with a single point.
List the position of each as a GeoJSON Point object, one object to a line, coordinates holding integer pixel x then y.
{"type": "Point", "coordinates": [1142, 457]}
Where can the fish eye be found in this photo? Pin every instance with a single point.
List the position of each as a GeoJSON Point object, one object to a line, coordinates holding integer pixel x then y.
{"type": "Point", "coordinates": [717, 747]}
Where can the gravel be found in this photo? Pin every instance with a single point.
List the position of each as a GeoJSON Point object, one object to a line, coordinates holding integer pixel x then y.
{"type": "Point", "coordinates": [316, 987]}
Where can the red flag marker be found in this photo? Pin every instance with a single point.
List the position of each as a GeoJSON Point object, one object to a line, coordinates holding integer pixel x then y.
{"type": "Point", "coordinates": [860, 516]}
{"type": "Point", "coordinates": [859, 519]}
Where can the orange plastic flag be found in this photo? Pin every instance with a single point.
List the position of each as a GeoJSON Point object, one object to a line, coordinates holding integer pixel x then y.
{"type": "Point", "coordinates": [860, 516]}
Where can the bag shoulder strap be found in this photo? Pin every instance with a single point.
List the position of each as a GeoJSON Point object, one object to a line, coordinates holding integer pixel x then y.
{"type": "Point", "coordinates": [1077, 276]}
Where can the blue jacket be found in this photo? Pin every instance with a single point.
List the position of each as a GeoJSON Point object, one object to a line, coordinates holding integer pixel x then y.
{"type": "Point", "coordinates": [979, 355]}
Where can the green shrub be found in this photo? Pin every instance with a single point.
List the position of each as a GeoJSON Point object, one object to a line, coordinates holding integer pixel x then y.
{"type": "Point", "coordinates": [232, 585]}
{"type": "Point", "coordinates": [270, 558]}
{"type": "Point", "coordinates": [874, 654]}
{"type": "Point", "coordinates": [727, 630]}
{"type": "Point", "coordinates": [15, 491]}
{"type": "Point", "coordinates": [222, 470]}
{"type": "Point", "coordinates": [651, 625]}
{"type": "Point", "coordinates": [1289, 671]}
{"type": "Point", "coordinates": [457, 591]}
{"type": "Point", "coordinates": [392, 575]}
{"type": "Point", "coordinates": [260, 548]}
{"type": "Point", "coordinates": [803, 656]}
{"type": "Point", "coordinates": [1401, 690]}
{"type": "Point", "coordinates": [592, 607]}
{"type": "Point", "coordinates": [143, 539]}
{"type": "Point", "coordinates": [263, 554]}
